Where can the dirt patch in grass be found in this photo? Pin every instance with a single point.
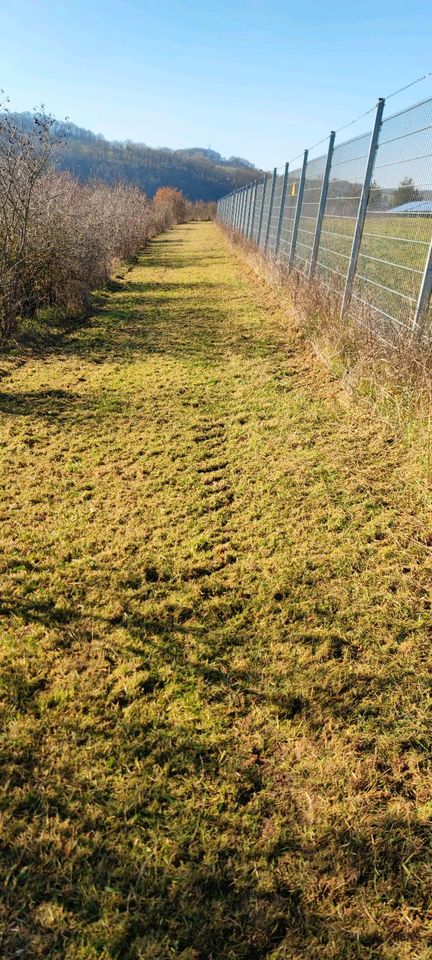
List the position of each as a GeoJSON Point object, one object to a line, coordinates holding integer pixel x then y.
{"type": "Point", "coordinates": [215, 619]}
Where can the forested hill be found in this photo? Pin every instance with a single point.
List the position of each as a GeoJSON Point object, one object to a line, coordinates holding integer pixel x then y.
{"type": "Point", "coordinates": [199, 173]}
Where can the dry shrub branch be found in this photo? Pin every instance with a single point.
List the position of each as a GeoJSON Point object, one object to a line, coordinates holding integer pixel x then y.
{"type": "Point", "coordinates": [59, 238]}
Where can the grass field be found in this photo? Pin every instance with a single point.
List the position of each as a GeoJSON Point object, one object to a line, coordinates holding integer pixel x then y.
{"type": "Point", "coordinates": [391, 262]}
{"type": "Point", "coordinates": [215, 619]}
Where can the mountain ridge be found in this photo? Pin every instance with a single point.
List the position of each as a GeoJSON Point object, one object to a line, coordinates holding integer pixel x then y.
{"type": "Point", "coordinates": [200, 173]}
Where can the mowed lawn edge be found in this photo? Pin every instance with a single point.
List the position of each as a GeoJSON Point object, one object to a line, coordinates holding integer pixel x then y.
{"type": "Point", "coordinates": [215, 623]}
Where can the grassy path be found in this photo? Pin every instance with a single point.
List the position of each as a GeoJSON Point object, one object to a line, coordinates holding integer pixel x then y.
{"type": "Point", "coordinates": [215, 640]}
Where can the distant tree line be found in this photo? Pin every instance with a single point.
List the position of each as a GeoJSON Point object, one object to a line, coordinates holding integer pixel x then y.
{"type": "Point", "coordinates": [344, 195]}
{"type": "Point", "coordinates": [199, 173]}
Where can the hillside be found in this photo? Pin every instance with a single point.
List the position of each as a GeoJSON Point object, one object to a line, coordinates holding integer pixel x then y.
{"type": "Point", "coordinates": [201, 174]}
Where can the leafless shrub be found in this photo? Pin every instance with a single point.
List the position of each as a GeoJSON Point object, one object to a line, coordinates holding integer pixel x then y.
{"type": "Point", "coordinates": [172, 203]}
{"type": "Point", "coordinates": [25, 154]}
{"type": "Point", "coordinates": [201, 210]}
{"type": "Point", "coordinates": [59, 239]}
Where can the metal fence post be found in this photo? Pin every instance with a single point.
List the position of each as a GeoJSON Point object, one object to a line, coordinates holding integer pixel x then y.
{"type": "Point", "coordinates": [249, 210]}
{"type": "Point", "coordinates": [270, 210]}
{"type": "Point", "coordinates": [238, 205]}
{"type": "Point", "coordinates": [243, 205]}
{"type": "Point", "coordinates": [322, 204]}
{"type": "Point", "coordinates": [261, 210]}
{"type": "Point", "coordinates": [424, 296]}
{"type": "Point", "coordinates": [361, 213]}
{"type": "Point", "coordinates": [245, 209]}
{"type": "Point", "coordinates": [252, 219]}
{"type": "Point", "coordinates": [248, 206]}
{"type": "Point", "coordinates": [237, 211]}
{"type": "Point", "coordinates": [298, 207]}
{"type": "Point", "coordinates": [281, 210]}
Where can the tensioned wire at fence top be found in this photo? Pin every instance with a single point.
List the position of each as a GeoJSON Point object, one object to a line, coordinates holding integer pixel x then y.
{"type": "Point", "coordinates": [358, 217]}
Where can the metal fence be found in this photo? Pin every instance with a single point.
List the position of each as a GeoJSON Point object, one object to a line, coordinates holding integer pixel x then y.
{"type": "Point", "coordinates": [358, 218]}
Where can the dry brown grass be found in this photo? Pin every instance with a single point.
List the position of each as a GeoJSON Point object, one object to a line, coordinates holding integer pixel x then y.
{"type": "Point", "coordinates": [390, 369]}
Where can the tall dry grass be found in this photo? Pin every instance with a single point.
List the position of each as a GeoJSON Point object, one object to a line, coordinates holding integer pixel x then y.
{"type": "Point", "coordinates": [387, 367]}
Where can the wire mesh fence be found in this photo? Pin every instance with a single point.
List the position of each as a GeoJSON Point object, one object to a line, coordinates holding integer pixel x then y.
{"type": "Point", "coordinates": [358, 218]}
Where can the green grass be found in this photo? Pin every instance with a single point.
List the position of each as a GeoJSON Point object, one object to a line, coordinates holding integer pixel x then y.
{"type": "Point", "coordinates": [393, 254]}
{"type": "Point", "coordinates": [216, 624]}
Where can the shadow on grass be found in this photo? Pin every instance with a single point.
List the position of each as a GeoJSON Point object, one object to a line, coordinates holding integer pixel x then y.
{"type": "Point", "coordinates": [41, 403]}
{"type": "Point", "coordinates": [173, 849]}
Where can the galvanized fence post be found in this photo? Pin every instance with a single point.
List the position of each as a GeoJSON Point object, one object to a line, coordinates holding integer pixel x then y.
{"type": "Point", "coordinates": [252, 219]}
{"type": "Point", "coordinates": [270, 209]}
{"type": "Point", "coordinates": [252, 188]}
{"type": "Point", "coordinates": [322, 204]}
{"type": "Point", "coordinates": [298, 207]}
{"type": "Point", "coordinates": [240, 199]}
{"type": "Point", "coordinates": [425, 295]}
{"type": "Point", "coordinates": [248, 206]}
{"type": "Point", "coordinates": [281, 210]}
{"type": "Point", "coordinates": [245, 209]}
{"type": "Point", "coordinates": [361, 213]}
{"type": "Point", "coordinates": [243, 205]}
{"type": "Point", "coordinates": [261, 210]}
{"type": "Point", "coordinates": [232, 209]}
{"type": "Point", "coordinates": [238, 205]}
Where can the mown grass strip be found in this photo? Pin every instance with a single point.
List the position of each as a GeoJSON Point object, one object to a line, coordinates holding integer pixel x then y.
{"type": "Point", "coordinates": [215, 622]}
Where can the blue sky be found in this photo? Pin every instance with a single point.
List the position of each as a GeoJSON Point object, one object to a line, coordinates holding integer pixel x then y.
{"type": "Point", "coordinates": [251, 78]}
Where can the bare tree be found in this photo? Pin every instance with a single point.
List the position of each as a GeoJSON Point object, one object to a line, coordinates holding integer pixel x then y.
{"type": "Point", "coordinates": [25, 154]}
{"type": "Point", "coordinates": [60, 239]}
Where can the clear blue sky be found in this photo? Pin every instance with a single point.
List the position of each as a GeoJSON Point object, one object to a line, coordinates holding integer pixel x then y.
{"type": "Point", "coordinates": [255, 78]}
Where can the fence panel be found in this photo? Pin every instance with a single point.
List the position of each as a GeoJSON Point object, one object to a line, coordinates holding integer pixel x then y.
{"type": "Point", "coordinates": [265, 213]}
{"type": "Point", "coordinates": [272, 237]}
{"type": "Point", "coordinates": [391, 278]}
{"type": "Point", "coordinates": [289, 215]}
{"type": "Point", "coordinates": [395, 241]}
{"type": "Point", "coordinates": [256, 217]}
{"type": "Point", "coordinates": [309, 212]}
{"type": "Point", "coordinates": [340, 215]}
